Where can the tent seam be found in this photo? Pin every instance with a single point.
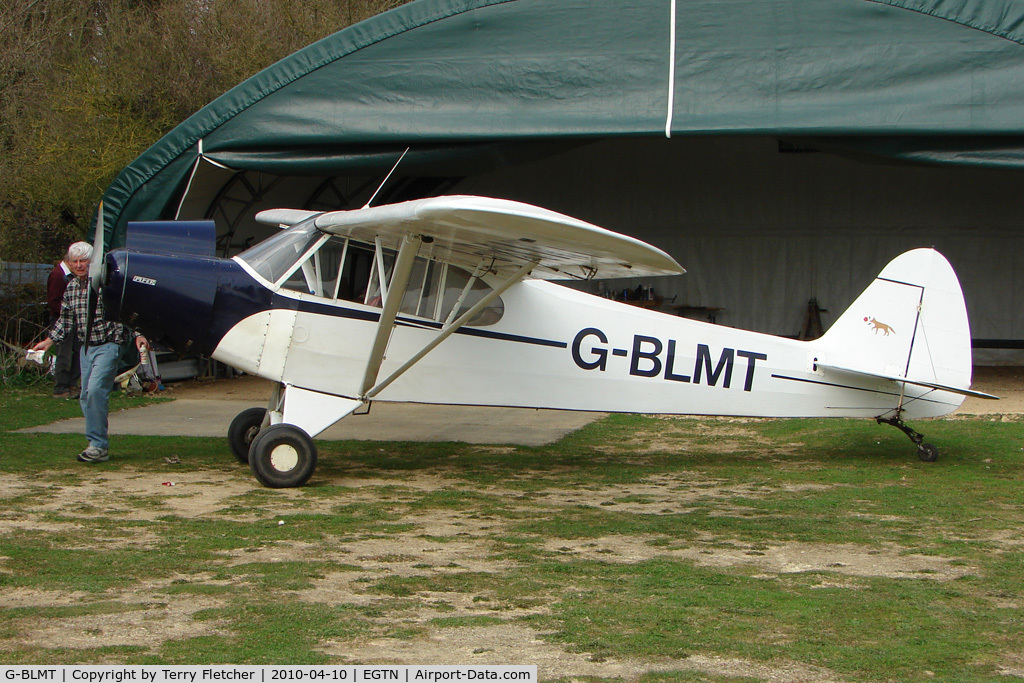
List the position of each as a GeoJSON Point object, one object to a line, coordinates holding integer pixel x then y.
{"type": "Point", "coordinates": [899, 4]}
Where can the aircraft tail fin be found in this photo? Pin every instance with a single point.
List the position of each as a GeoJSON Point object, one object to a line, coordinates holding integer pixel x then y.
{"type": "Point", "coordinates": [910, 326]}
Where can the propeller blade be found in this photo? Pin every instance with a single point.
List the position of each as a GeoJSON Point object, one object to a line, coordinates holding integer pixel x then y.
{"type": "Point", "coordinates": [96, 264]}
{"type": "Point", "coordinates": [95, 274]}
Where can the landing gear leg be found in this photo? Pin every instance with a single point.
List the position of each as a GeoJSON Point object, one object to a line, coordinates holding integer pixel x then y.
{"type": "Point", "coordinates": [925, 451]}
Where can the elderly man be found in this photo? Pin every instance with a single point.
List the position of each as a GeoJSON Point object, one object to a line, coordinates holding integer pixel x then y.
{"type": "Point", "coordinates": [98, 357]}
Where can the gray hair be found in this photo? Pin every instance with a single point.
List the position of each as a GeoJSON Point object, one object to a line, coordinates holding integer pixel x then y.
{"type": "Point", "coordinates": [80, 250]}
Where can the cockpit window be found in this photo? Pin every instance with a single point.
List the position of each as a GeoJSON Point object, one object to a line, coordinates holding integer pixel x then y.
{"type": "Point", "coordinates": [462, 291]}
{"type": "Point", "coordinates": [273, 257]}
{"type": "Point", "coordinates": [303, 259]}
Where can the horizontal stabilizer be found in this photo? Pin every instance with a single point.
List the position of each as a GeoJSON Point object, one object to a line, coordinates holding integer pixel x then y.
{"type": "Point", "coordinates": [920, 383]}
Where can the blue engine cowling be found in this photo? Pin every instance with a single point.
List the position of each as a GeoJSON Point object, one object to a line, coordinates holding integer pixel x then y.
{"type": "Point", "coordinates": [168, 298]}
{"type": "Point", "coordinates": [168, 284]}
{"type": "Point", "coordinates": [180, 238]}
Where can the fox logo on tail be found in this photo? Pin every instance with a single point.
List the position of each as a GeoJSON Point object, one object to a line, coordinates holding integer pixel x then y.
{"type": "Point", "coordinates": [878, 325]}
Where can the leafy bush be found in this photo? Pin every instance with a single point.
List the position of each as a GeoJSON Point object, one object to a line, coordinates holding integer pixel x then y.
{"type": "Point", "coordinates": [87, 86]}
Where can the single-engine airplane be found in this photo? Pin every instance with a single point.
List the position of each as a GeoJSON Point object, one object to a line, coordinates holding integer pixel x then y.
{"type": "Point", "coordinates": [450, 300]}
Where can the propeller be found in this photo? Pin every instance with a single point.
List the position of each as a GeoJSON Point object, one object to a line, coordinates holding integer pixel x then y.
{"type": "Point", "coordinates": [95, 274]}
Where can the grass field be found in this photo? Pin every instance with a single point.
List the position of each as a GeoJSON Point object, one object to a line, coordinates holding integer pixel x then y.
{"type": "Point", "coordinates": [639, 548]}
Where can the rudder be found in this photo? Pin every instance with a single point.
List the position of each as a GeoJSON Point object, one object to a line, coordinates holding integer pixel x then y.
{"type": "Point", "coordinates": [910, 324]}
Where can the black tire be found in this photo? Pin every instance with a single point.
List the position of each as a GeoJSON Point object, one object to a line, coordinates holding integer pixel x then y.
{"type": "Point", "coordinates": [927, 452]}
{"type": "Point", "coordinates": [243, 430]}
{"type": "Point", "coordinates": [282, 456]}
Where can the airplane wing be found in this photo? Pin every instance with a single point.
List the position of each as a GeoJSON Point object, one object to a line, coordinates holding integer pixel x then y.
{"type": "Point", "coordinates": [284, 217]}
{"type": "Point", "coordinates": [464, 230]}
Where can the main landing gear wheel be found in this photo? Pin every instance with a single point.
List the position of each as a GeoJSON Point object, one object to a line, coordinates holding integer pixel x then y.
{"type": "Point", "coordinates": [927, 452]}
{"type": "Point", "coordinates": [282, 456]}
{"type": "Point", "coordinates": [243, 430]}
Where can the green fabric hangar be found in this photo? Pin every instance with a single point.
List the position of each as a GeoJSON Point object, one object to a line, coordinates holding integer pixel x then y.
{"type": "Point", "coordinates": [782, 150]}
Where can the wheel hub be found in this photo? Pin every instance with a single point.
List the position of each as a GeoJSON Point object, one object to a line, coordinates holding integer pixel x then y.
{"type": "Point", "coordinates": [284, 458]}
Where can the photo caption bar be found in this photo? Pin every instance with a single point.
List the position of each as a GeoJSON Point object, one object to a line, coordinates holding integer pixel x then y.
{"type": "Point", "coordinates": [405, 673]}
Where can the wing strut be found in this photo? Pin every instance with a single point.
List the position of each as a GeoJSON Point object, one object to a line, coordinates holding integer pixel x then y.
{"type": "Point", "coordinates": [392, 302]}
{"type": "Point", "coordinates": [480, 270]}
{"type": "Point", "coordinates": [450, 328]}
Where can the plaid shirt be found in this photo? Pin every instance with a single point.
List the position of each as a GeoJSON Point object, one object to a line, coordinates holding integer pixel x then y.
{"type": "Point", "coordinates": [74, 310]}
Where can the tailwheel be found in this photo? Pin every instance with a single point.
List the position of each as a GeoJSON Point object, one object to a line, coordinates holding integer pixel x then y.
{"type": "Point", "coordinates": [243, 430]}
{"type": "Point", "coordinates": [925, 451]}
{"type": "Point", "coordinates": [282, 456]}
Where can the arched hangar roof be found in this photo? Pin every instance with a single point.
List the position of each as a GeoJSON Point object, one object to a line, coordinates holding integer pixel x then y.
{"type": "Point", "coordinates": [467, 83]}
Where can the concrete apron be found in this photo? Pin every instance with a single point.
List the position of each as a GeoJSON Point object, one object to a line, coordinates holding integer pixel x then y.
{"type": "Point", "coordinates": [385, 422]}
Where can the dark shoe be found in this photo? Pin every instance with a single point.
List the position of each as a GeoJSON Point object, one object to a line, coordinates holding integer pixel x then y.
{"type": "Point", "coordinates": [93, 454]}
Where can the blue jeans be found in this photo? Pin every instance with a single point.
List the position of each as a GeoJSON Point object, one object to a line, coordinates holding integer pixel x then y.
{"type": "Point", "coordinates": [99, 367]}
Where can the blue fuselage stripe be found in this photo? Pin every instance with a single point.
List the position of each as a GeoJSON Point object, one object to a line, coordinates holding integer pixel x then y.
{"type": "Point", "coordinates": [339, 311]}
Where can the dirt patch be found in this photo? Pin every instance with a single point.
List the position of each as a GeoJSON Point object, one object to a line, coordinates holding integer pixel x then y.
{"type": "Point", "coordinates": [889, 561]}
{"type": "Point", "coordinates": [436, 543]}
{"type": "Point", "coordinates": [147, 626]}
{"type": "Point", "coordinates": [507, 643]}
{"type": "Point", "coordinates": [668, 494]}
{"type": "Point", "coordinates": [1005, 382]}
{"type": "Point", "coordinates": [710, 434]}
{"type": "Point", "coordinates": [241, 388]}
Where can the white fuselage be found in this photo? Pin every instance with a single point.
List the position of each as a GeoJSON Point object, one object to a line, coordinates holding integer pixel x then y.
{"type": "Point", "coordinates": [555, 347]}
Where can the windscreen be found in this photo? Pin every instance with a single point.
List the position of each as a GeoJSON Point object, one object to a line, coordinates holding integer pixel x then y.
{"type": "Point", "coordinates": [303, 259]}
